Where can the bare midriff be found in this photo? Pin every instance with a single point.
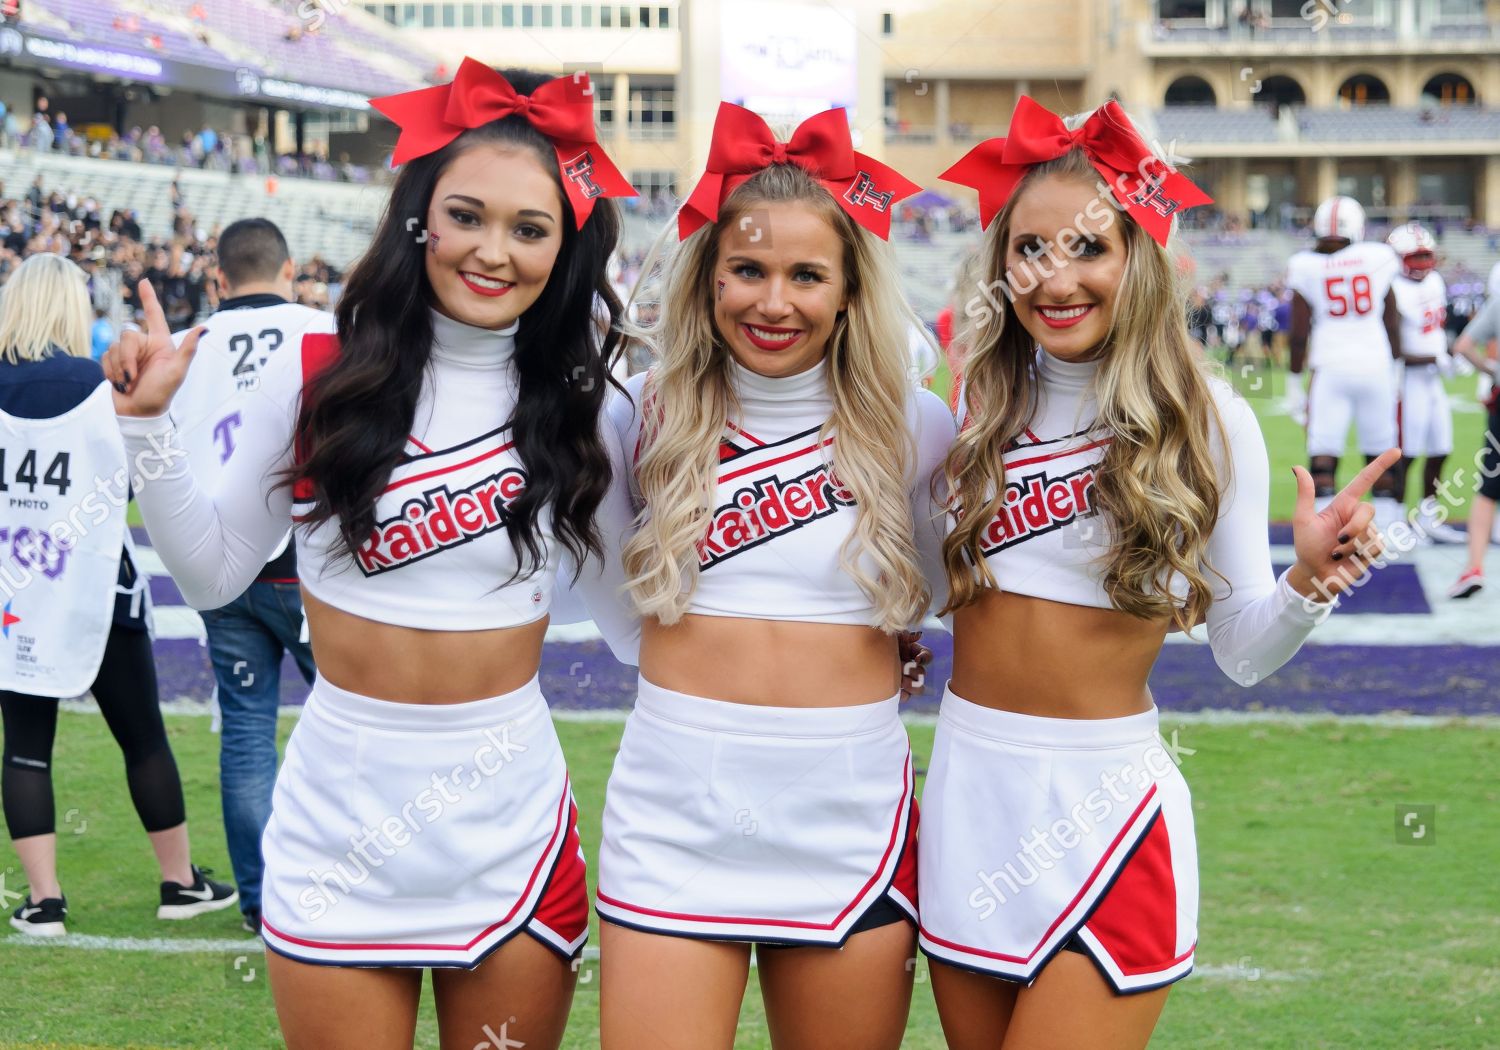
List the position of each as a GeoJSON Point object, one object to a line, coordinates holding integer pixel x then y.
{"type": "Point", "coordinates": [770, 663]}
{"type": "Point", "coordinates": [1017, 653]}
{"type": "Point", "coordinates": [416, 666]}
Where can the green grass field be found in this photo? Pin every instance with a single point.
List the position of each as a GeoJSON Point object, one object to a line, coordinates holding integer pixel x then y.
{"type": "Point", "coordinates": [1319, 928]}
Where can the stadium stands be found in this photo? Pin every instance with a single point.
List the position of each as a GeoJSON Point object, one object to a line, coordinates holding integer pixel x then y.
{"type": "Point", "coordinates": [348, 50]}
{"type": "Point", "coordinates": [1212, 124]}
{"type": "Point", "coordinates": [102, 21]}
{"type": "Point", "coordinates": [1397, 125]}
{"type": "Point", "coordinates": [334, 220]}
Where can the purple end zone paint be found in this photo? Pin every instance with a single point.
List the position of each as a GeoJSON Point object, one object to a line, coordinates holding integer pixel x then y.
{"type": "Point", "coordinates": [1339, 679]}
{"type": "Point", "coordinates": [1393, 589]}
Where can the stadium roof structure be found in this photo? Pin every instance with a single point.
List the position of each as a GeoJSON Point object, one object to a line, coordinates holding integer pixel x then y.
{"type": "Point", "coordinates": [322, 54]}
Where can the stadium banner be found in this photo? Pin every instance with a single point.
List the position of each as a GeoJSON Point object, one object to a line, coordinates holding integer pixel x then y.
{"type": "Point", "coordinates": [787, 61]}
{"type": "Point", "coordinates": [31, 49]}
{"type": "Point", "coordinates": [60, 543]}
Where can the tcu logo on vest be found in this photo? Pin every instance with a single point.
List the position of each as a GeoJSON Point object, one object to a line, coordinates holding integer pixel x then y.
{"type": "Point", "coordinates": [862, 191]}
{"type": "Point", "coordinates": [579, 170]}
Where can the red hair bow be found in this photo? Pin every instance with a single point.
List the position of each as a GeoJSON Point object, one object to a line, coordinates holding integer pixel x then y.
{"type": "Point", "coordinates": [562, 110]}
{"type": "Point", "coordinates": [743, 144]}
{"type": "Point", "coordinates": [1141, 182]}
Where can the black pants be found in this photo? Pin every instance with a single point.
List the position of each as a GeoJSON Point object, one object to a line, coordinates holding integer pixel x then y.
{"type": "Point", "coordinates": [1489, 459]}
{"type": "Point", "coordinates": [125, 689]}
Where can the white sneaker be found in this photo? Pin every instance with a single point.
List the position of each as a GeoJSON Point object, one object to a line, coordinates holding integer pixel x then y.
{"type": "Point", "coordinates": [1443, 533]}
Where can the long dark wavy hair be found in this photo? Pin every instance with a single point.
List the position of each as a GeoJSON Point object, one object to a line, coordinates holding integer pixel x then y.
{"type": "Point", "coordinates": [355, 416]}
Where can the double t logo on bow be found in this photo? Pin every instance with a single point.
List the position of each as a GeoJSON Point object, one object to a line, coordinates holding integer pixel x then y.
{"type": "Point", "coordinates": [562, 110]}
{"type": "Point", "coordinates": [743, 145]}
{"type": "Point", "coordinates": [1143, 184]}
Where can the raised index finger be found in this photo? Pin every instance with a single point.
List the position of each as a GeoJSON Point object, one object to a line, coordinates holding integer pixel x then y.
{"type": "Point", "coordinates": [157, 328]}
{"type": "Point", "coordinates": [1366, 478]}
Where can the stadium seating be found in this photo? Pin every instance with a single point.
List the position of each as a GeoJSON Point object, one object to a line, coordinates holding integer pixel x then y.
{"type": "Point", "coordinates": [1212, 124]}
{"type": "Point", "coordinates": [95, 21]}
{"type": "Point", "coordinates": [1328, 124]}
{"type": "Point", "coordinates": [351, 50]}
{"type": "Point", "coordinates": [1393, 124]}
{"type": "Point", "coordinates": [330, 219]}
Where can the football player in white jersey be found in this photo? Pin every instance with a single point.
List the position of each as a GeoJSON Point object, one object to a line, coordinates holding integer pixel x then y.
{"type": "Point", "coordinates": [1424, 419]}
{"type": "Point", "coordinates": [1346, 330]}
{"type": "Point", "coordinates": [248, 637]}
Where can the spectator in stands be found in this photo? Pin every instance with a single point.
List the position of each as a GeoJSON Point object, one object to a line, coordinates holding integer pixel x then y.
{"type": "Point", "coordinates": [41, 133]}
{"type": "Point", "coordinates": [102, 333]}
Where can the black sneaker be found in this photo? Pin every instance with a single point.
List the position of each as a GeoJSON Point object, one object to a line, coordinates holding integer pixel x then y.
{"type": "Point", "coordinates": [42, 918]}
{"type": "Point", "coordinates": [204, 895]}
{"type": "Point", "coordinates": [251, 923]}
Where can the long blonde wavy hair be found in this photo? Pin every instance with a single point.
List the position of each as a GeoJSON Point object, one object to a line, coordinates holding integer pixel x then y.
{"type": "Point", "coordinates": [1159, 482]}
{"type": "Point", "coordinates": [688, 399]}
{"type": "Point", "coordinates": [45, 304]}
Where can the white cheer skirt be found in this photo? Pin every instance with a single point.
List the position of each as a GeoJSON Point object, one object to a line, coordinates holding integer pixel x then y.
{"type": "Point", "coordinates": [781, 825]}
{"type": "Point", "coordinates": [421, 834]}
{"type": "Point", "coordinates": [1037, 831]}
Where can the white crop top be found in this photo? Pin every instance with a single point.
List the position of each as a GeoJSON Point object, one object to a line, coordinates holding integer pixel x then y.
{"type": "Point", "coordinates": [780, 518]}
{"type": "Point", "coordinates": [439, 556]}
{"type": "Point", "coordinates": [1048, 542]}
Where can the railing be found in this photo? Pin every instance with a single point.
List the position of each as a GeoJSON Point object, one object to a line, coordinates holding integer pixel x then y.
{"type": "Point", "coordinates": [1317, 33]}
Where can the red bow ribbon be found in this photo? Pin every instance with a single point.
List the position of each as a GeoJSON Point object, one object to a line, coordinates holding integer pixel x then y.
{"type": "Point", "coordinates": [1144, 185]}
{"type": "Point", "coordinates": [562, 110]}
{"type": "Point", "coordinates": [743, 145]}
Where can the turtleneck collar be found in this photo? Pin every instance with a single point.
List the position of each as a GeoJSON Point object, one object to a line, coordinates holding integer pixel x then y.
{"type": "Point", "coordinates": [752, 388]}
{"type": "Point", "coordinates": [466, 346]}
{"type": "Point", "coordinates": [1072, 375]}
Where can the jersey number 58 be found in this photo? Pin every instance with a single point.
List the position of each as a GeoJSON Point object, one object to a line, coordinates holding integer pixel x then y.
{"type": "Point", "coordinates": [1338, 302]}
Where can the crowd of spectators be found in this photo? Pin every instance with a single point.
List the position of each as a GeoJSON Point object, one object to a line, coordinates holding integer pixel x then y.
{"type": "Point", "coordinates": [114, 253]}
{"type": "Point", "coordinates": [49, 131]}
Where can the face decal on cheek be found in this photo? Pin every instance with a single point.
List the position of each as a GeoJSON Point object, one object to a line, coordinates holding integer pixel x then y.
{"type": "Point", "coordinates": [432, 243]}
